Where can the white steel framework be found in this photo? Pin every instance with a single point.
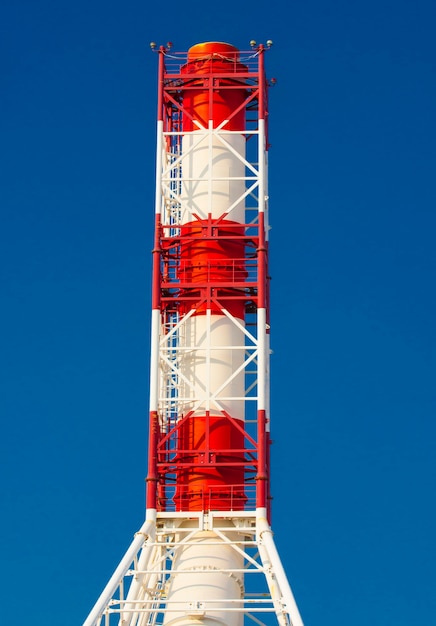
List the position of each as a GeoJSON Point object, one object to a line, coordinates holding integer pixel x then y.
{"type": "Point", "coordinates": [137, 593]}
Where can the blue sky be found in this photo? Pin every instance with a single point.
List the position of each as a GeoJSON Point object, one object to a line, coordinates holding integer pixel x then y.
{"type": "Point", "coordinates": [352, 199]}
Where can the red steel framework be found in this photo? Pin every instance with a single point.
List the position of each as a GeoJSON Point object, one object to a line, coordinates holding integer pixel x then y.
{"type": "Point", "coordinates": [209, 263]}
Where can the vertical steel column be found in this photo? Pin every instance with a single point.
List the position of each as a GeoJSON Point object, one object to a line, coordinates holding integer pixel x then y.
{"type": "Point", "coordinates": [152, 477]}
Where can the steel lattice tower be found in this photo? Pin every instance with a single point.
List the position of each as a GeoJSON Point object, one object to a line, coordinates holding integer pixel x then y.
{"type": "Point", "coordinates": [205, 555]}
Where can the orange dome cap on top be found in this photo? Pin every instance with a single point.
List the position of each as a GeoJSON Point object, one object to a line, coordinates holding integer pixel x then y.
{"type": "Point", "coordinates": [208, 48]}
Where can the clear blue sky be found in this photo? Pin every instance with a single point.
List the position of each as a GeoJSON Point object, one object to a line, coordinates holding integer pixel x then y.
{"type": "Point", "coordinates": [353, 201]}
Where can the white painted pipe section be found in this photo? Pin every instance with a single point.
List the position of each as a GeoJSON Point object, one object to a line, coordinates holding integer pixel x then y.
{"type": "Point", "coordinates": [139, 588]}
{"type": "Point", "coordinates": [213, 176]}
{"type": "Point", "coordinates": [217, 352]}
{"type": "Point", "coordinates": [262, 360]}
{"type": "Point", "coordinates": [266, 196]}
{"type": "Point", "coordinates": [262, 169]}
{"type": "Point", "coordinates": [111, 587]}
{"type": "Point", "coordinates": [202, 582]}
{"type": "Point", "coordinates": [267, 383]}
{"type": "Point", "coordinates": [271, 561]}
{"type": "Point", "coordinates": [154, 359]}
{"type": "Point", "coordinates": [159, 155]}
